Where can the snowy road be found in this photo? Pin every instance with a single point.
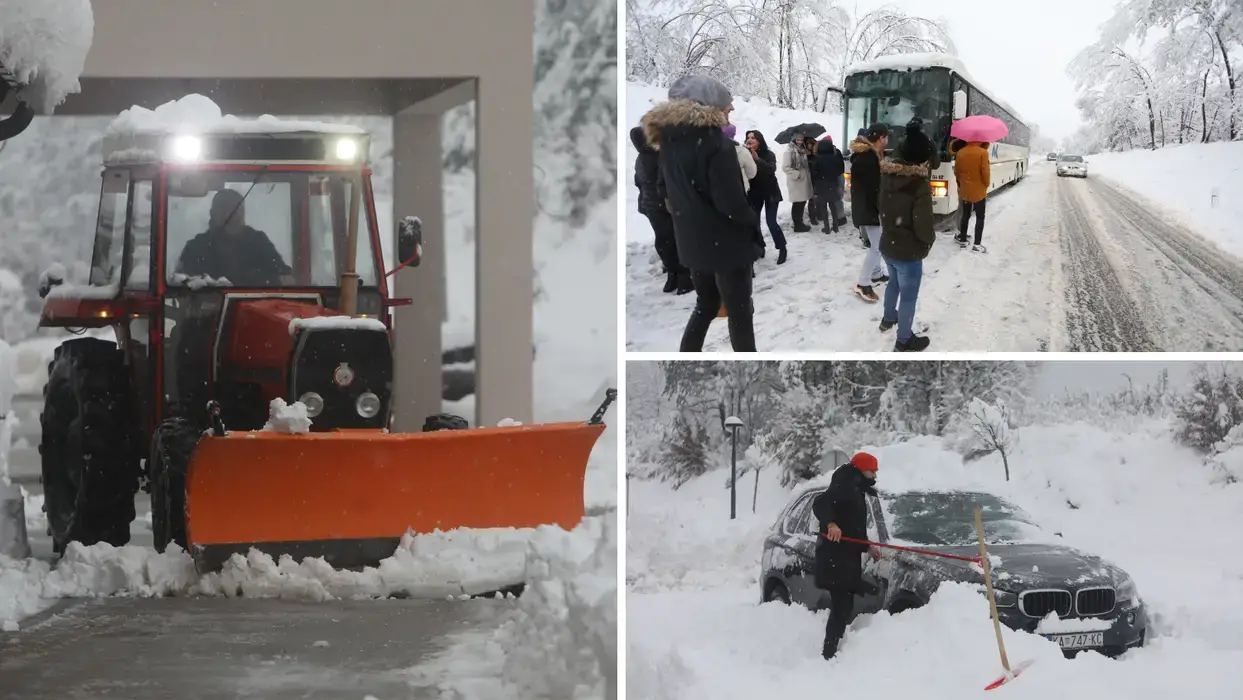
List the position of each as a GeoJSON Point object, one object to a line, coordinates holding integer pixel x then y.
{"type": "Point", "coordinates": [1142, 283]}
{"type": "Point", "coordinates": [213, 648]}
{"type": "Point", "coordinates": [1072, 264]}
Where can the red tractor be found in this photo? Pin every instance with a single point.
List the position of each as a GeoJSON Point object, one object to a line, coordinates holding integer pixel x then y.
{"type": "Point", "coordinates": [237, 267]}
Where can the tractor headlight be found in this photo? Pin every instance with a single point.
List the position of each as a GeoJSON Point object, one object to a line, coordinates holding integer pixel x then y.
{"type": "Point", "coordinates": [347, 149]}
{"type": "Point", "coordinates": [314, 403]}
{"type": "Point", "coordinates": [187, 148]}
{"type": "Point", "coordinates": [367, 405]}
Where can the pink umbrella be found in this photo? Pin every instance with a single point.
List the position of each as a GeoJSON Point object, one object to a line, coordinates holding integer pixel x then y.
{"type": "Point", "coordinates": [980, 127]}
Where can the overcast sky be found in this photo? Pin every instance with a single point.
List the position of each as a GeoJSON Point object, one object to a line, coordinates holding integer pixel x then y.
{"type": "Point", "coordinates": [1019, 49]}
{"type": "Point", "coordinates": [1109, 375]}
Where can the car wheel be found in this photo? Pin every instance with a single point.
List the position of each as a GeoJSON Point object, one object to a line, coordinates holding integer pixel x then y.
{"type": "Point", "coordinates": [777, 592]}
{"type": "Point", "coordinates": [902, 606]}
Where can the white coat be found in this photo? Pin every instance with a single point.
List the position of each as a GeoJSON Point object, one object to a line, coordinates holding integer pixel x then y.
{"type": "Point", "coordinates": [747, 163]}
{"type": "Point", "coordinates": [798, 179]}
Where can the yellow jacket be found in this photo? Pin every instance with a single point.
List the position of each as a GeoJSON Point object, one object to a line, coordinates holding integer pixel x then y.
{"type": "Point", "coordinates": [971, 169]}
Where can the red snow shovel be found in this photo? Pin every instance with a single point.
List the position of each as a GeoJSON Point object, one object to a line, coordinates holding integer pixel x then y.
{"type": "Point", "coordinates": [1010, 674]}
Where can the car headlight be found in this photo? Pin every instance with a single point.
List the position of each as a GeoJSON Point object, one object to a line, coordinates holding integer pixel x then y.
{"type": "Point", "coordinates": [1127, 590]}
{"type": "Point", "coordinates": [1005, 599]}
{"type": "Point", "coordinates": [314, 403]}
{"type": "Point", "coordinates": [367, 405]}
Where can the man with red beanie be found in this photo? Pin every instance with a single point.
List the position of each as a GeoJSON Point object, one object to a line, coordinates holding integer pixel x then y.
{"type": "Point", "coordinates": [842, 512]}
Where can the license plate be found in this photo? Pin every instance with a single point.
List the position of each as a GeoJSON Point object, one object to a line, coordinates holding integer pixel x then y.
{"type": "Point", "coordinates": [1083, 640]}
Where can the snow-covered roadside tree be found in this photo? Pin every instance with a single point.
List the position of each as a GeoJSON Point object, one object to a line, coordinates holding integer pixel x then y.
{"type": "Point", "coordinates": [1181, 87]}
{"type": "Point", "coordinates": [784, 51]}
{"type": "Point", "coordinates": [685, 454]}
{"type": "Point", "coordinates": [991, 424]}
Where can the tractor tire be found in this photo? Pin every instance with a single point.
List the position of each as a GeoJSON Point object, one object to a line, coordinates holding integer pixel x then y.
{"type": "Point", "coordinates": [90, 470]}
{"type": "Point", "coordinates": [444, 421]}
{"type": "Point", "coordinates": [171, 448]}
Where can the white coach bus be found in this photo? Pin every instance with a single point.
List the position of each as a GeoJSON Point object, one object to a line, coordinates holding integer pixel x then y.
{"type": "Point", "coordinates": [936, 88]}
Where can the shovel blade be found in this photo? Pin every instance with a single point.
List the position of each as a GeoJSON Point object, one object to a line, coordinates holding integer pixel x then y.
{"type": "Point", "coordinates": [1014, 673]}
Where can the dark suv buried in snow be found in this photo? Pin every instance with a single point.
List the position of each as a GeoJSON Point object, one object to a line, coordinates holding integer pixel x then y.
{"type": "Point", "coordinates": [1096, 604]}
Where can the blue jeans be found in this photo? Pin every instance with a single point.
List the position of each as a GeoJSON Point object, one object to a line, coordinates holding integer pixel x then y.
{"type": "Point", "coordinates": [770, 210]}
{"type": "Point", "coordinates": [904, 279]}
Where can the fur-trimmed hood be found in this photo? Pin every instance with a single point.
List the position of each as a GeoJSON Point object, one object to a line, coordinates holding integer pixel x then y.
{"type": "Point", "coordinates": [890, 166]}
{"type": "Point", "coordinates": [684, 113]}
{"type": "Point", "coordinates": [860, 145]}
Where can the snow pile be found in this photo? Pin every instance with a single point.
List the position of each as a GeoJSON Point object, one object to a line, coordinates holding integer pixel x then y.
{"type": "Point", "coordinates": [196, 113]}
{"type": "Point", "coordinates": [458, 563]}
{"type": "Point", "coordinates": [13, 540]}
{"type": "Point", "coordinates": [324, 323]}
{"type": "Point", "coordinates": [44, 44]}
{"type": "Point", "coordinates": [559, 639]}
{"type": "Point", "coordinates": [287, 417]}
{"type": "Point", "coordinates": [695, 629]}
{"type": "Point", "coordinates": [1200, 183]}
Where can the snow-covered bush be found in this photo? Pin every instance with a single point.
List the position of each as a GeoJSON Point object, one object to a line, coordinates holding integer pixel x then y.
{"type": "Point", "coordinates": [1210, 410]}
{"type": "Point", "coordinates": [1227, 456]}
{"type": "Point", "coordinates": [796, 439]}
{"type": "Point", "coordinates": [685, 455]}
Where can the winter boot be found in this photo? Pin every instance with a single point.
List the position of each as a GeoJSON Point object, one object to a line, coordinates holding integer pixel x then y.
{"type": "Point", "coordinates": [866, 293]}
{"type": "Point", "coordinates": [799, 226]}
{"type": "Point", "coordinates": [886, 325]}
{"type": "Point", "coordinates": [671, 282]}
{"type": "Point", "coordinates": [880, 280]}
{"type": "Point", "coordinates": [684, 283]}
{"type": "Point", "coordinates": [781, 256]}
{"type": "Point", "coordinates": [916, 343]}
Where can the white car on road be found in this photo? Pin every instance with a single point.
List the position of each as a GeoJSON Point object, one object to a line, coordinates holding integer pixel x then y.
{"type": "Point", "coordinates": [1071, 165]}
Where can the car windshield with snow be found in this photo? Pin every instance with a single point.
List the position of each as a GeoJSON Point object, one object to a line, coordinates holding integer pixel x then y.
{"type": "Point", "coordinates": [1072, 159]}
{"type": "Point", "coordinates": [1043, 585]}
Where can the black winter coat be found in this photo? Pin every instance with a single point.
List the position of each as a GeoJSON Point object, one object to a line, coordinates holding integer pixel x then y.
{"type": "Point", "coordinates": [246, 258]}
{"type": "Point", "coordinates": [764, 186]}
{"type": "Point", "coordinates": [864, 184]}
{"type": "Point", "coordinates": [839, 565]}
{"type": "Point", "coordinates": [907, 230]}
{"type": "Point", "coordinates": [646, 174]}
{"type": "Point", "coordinates": [712, 220]}
{"type": "Point", "coordinates": [827, 169]}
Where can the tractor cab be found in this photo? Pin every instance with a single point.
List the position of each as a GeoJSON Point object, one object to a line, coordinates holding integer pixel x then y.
{"type": "Point", "coordinates": [209, 244]}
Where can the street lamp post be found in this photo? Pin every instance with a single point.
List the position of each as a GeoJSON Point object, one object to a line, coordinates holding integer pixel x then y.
{"type": "Point", "coordinates": [732, 424]}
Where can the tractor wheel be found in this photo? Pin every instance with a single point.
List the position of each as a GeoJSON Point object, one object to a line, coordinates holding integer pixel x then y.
{"type": "Point", "coordinates": [171, 447]}
{"type": "Point", "coordinates": [90, 473]}
{"type": "Point", "coordinates": [444, 421]}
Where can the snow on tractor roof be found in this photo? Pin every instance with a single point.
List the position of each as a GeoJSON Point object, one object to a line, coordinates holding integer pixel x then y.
{"type": "Point", "coordinates": [43, 46]}
{"type": "Point", "coordinates": [197, 114]}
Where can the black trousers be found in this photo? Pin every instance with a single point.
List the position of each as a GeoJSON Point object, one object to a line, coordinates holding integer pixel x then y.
{"type": "Point", "coordinates": [732, 288]}
{"type": "Point", "coordinates": [841, 612]}
{"type": "Point", "coordinates": [796, 212]}
{"type": "Point", "coordinates": [666, 244]}
{"type": "Point", "coordinates": [965, 209]}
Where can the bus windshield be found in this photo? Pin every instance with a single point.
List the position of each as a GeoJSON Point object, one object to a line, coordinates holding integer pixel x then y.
{"type": "Point", "coordinates": [895, 97]}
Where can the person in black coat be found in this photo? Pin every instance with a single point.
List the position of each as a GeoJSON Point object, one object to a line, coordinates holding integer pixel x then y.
{"type": "Point", "coordinates": [765, 192]}
{"type": "Point", "coordinates": [865, 153]}
{"type": "Point", "coordinates": [826, 176]}
{"type": "Point", "coordinates": [841, 511]}
{"type": "Point", "coordinates": [712, 221]}
{"type": "Point", "coordinates": [652, 205]}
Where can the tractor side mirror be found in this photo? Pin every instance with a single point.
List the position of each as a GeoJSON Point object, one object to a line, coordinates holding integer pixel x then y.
{"type": "Point", "coordinates": [52, 277]}
{"type": "Point", "coordinates": [960, 105]}
{"type": "Point", "coordinates": [409, 242]}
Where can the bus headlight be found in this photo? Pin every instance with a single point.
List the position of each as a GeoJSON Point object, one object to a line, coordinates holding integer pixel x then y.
{"type": "Point", "coordinates": [187, 148]}
{"type": "Point", "coordinates": [347, 149]}
{"type": "Point", "coordinates": [940, 188]}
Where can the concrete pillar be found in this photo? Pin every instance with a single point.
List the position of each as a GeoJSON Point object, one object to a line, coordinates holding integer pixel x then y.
{"type": "Point", "coordinates": [504, 202]}
{"type": "Point", "coordinates": [417, 192]}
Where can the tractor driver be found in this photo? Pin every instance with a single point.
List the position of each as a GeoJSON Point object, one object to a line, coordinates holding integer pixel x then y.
{"type": "Point", "coordinates": [232, 250]}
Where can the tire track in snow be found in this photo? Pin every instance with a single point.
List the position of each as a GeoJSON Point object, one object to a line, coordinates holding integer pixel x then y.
{"type": "Point", "coordinates": [1100, 315]}
{"type": "Point", "coordinates": [1204, 310]}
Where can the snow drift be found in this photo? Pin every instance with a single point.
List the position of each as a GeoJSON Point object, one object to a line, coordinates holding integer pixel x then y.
{"type": "Point", "coordinates": [44, 44]}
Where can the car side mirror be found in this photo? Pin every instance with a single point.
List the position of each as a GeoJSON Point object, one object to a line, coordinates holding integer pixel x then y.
{"type": "Point", "coordinates": [960, 105]}
{"type": "Point", "coordinates": [409, 242]}
{"type": "Point", "coordinates": [52, 277]}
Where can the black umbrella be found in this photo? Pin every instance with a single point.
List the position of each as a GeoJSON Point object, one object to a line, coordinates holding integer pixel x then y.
{"type": "Point", "coordinates": [809, 129]}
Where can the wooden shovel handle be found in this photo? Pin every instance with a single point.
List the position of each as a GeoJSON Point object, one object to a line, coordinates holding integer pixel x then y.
{"type": "Point", "coordinates": [988, 585]}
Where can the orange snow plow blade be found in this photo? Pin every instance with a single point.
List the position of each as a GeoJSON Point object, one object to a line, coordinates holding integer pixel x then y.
{"type": "Point", "coordinates": [349, 496]}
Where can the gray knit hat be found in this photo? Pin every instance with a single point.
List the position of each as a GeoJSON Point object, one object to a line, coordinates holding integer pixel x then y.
{"type": "Point", "coordinates": [702, 89]}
